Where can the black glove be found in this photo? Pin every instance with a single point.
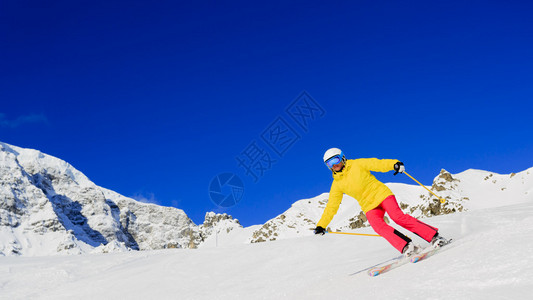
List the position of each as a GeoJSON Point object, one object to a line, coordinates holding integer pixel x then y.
{"type": "Point", "coordinates": [320, 230]}
{"type": "Point", "coordinates": [399, 167]}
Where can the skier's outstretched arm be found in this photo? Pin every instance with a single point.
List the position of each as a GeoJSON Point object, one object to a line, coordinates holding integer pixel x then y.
{"type": "Point", "coordinates": [334, 201]}
{"type": "Point", "coordinates": [377, 165]}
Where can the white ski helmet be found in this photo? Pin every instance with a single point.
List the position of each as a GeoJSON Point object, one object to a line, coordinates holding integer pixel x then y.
{"type": "Point", "coordinates": [333, 156]}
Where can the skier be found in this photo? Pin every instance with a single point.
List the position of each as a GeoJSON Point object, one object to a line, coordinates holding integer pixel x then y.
{"type": "Point", "coordinates": [353, 177]}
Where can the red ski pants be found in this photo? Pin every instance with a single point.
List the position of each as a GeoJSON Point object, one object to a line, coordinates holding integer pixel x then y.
{"type": "Point", "coordinates": [396, 238]}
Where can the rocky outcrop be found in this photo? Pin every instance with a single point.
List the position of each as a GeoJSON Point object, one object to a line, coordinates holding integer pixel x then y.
{"type": "Point", "coordinates": [215, 224]}
{"type": "Point", "coordinates": [215, 221]}
{"type": "Point", "coordinates": [300, 219]}
{"type": "Point", "coordinates": [152, 226]}
{"type": "Point", "coordinates": [267, 232]}
{"type": "Point", "coordinates": [447, 187]}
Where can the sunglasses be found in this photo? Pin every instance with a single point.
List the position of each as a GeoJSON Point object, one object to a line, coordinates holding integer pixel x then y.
{"type": "Point", "coordinates": [333, 161]}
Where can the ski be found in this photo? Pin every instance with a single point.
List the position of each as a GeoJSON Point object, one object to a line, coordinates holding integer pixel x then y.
{"type": "Point", "coordinates": [376, 265]}
{"type": "Point", "coordinates": [428, 252]}
{"type": "Point", "coordinates": [401, 260]}
{"type": "Point", "coordinates": [398, 261]}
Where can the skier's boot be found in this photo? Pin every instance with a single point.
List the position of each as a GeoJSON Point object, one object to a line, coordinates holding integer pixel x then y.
{"type": "Point", "coordinates": [439, 241]}
{"type": "Point", "coordinates": [410, 250]}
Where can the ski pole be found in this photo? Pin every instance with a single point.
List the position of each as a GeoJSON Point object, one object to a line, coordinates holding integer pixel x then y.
{"type": "Point", "coordinates": [351, 233]}
{"type": "Point", "coordinates": [441, 199]}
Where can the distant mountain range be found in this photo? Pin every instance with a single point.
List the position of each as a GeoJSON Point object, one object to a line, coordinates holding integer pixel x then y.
{"type": "Point", "coordinates": [48, 207]}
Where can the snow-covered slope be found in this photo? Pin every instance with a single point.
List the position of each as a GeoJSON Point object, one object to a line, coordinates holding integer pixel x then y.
{"type": "Point", "coordinates": [488, 260]}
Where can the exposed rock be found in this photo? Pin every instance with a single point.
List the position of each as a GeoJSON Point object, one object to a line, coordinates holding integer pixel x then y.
{"type": "Point", "coordinates": [216, 224]}
{"type": "Point", "coordinates": [444, 180]}
{"type": "Point", "coordinates": [447, 187]}
{"type": "Point", "coordinates": [265, 233]}
{"type": "Point", "coordinates": [359, 221]}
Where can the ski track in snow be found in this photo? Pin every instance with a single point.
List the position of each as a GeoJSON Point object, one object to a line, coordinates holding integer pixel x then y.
{"type": "Point", "coordinates": [490, 259]}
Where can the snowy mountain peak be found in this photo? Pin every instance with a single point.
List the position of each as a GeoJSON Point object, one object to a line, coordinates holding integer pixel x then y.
{"type": "Point", "coordinates": [217, 223]}
{"type": "Point", "coordinates": [50, 207]}
{"type": "Point", "coordinates": [443, 181]}
{"type": "Point", "coordinates": [213, 220]}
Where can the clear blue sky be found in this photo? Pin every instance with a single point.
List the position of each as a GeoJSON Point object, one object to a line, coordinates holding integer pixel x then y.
{"type": "Point", "coordinates": [153, 99]}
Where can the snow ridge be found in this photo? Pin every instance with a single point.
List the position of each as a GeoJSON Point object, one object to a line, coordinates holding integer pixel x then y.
{"type": "Point", "coordinates": [48, 207]}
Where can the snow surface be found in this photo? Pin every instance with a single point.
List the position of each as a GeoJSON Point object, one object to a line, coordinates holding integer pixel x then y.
{"type": "Point", "coordinates": [491, 258]}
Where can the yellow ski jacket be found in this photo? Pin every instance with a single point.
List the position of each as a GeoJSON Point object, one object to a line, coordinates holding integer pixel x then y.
{"type": "Point", "coordinates": [356, 180]}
